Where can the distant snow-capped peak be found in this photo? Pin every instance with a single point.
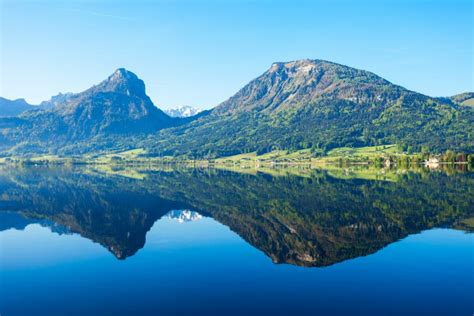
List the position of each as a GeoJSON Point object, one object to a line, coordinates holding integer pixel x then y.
{"type": "Point", "coordinates": [183, 216]}
{"type": "Point", "coordinates": [183, 111]}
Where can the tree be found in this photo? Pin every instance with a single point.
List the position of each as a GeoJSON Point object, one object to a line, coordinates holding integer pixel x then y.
{"type": "Point", "coordinates": [449, 156]}
{"type": "Point", "coordinates": [470, 159]}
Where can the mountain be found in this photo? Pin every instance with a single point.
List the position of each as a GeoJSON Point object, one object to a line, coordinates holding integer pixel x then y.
{"type": "Point", "coordinates": [119, 105]}
{"type": "Point", "coordinates": [321, 105]}
{"type": "Point", "coordinates": [13, 220]}
{"type": "Point", "coordinates": [56, 100]}
{"type": "Point", "coordinates": [294, 105]}
{"type": "Point", "coordinates": [314, 220]}
{"type": "Point", "coordinates": [184, 216]}
{"type": "Point", "coordinates": [13, 107]}
{"type": "Point", "coordinates": [116, 107]}
{"type": "Point", "coordinates": [183, 111]}
{"type": "Point", "coordinates": [466, 98]}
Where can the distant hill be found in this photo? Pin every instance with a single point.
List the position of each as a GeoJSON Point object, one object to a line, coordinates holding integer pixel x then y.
{"type": "Point", "coordinates": [313, 104]}
{"type": "Point", "coordinates": [13, 107]}
{"type": "Point", "coordinates": [466, 98]}
{"type": "Point", "coordinates": [56, 100]}
{"type": "Point", "coordinates": [183, 111]}
{"type": "Point", "coordinates": [321, 105]}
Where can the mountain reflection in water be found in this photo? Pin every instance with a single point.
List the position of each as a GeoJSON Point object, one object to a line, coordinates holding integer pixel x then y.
{"type": "Point", "coordinates": [315, 219]}
{"type": "Point", "coordinates": [184, 216]}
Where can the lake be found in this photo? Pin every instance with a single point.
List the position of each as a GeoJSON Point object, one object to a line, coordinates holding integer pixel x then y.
{"type": "Point", "coordinates": [99, 240]}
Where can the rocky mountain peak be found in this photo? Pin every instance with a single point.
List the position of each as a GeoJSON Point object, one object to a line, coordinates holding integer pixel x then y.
{"type": "Point", "coordinates": [296, 83]}
{"type": "Point", "coordinates": [123, 81]}
{"type": "Point", "coordinates": [122, 74]}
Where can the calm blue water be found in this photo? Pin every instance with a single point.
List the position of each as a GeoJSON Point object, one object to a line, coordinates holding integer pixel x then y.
{"type": "Point", "coordinates": [194, 265]}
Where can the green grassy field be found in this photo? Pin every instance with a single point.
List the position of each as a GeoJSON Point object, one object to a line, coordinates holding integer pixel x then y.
{"type": "Point", "coordinates": [370, 152]}
{"type": "Point", "coordinates": [305, 155]}
{"type": "Point", "coordinates": [469, 102]}
{"type": "Point", "coordinates": [273, 156]}
{"type": "Point", "coordinates": [342, 156]}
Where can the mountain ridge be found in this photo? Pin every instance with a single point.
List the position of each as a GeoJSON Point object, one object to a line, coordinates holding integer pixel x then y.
{"type": "Point", "coordinates": [9, 108]}
{"type": "Point", "coordinates": [300, 104]}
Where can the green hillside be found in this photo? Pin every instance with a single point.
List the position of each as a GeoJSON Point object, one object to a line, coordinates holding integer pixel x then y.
{"type": "Point", "coordinates": [320, 105]}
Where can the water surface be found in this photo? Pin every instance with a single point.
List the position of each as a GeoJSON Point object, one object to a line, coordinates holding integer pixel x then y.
{"type": "Point", "coordinates": [81, 241]}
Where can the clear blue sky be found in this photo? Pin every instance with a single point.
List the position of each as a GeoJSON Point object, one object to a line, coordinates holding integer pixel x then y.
{"type": "Point", "coordinates": [201, 52]}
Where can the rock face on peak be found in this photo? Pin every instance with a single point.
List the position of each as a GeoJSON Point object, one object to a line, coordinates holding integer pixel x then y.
{"type": "Point", "coordinates": [116, 106]}
{"type": "Point", "coordinates": [122, 81]}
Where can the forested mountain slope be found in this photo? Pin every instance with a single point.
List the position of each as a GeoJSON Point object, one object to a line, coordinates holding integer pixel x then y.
{"type": "Point", "coordinates": [321, 105]}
